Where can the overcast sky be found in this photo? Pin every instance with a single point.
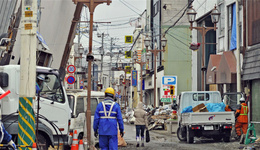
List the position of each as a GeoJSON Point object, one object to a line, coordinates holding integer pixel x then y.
{"type": "Point", "coordinates": [119, 13]}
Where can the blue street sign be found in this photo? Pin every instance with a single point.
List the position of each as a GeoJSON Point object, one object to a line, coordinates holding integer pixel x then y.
{"type": "Point", "coordinates": [116, 95]}
{"type": "Point", "coordinates": [119, 96]}
{"type": "Point", "coordinates": [143, 85]}
{"type": "Point", "coordinates": [169, 80]}
{"type": "Point", "coordinates": [70, 79]}
{"type": "Point", "coordinates": [134, 78]}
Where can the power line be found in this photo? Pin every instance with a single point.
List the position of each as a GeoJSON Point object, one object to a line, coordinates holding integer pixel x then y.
{"type": "Point", "coordinates": [178, 18]}
{"type": "Point", "coordinates": [129, 7]}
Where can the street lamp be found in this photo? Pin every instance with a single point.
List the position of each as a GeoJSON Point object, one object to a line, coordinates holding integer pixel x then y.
{"type": "Point", "coordinates": [155, 52]}
{"type": "Point", "coordinates": [141, 63]}
{"type": "Point", "coordinates": [191, 13]}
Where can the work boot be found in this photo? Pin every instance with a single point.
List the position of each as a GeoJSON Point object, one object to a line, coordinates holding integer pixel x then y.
{"type": "Point", "coordinates": [142, 139]}
{"type": "Point", "coordinates": [238, 137]}
{"type": "Point", "coordinates": [137, 141]}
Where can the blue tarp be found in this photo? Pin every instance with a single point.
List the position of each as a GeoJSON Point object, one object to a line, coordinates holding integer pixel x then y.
{"type": "Point", "coordinates": [216, 107]}
{"type": "Point", "coordinates": [212, 107]}
{"type": "Point", "coordinates": [187, 109]}
{"type": "Point", "coordinates": [233, 42]}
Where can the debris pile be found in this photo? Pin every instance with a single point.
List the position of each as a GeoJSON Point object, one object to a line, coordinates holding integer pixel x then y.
{"type": "Point", "coordinates": [156, 117]}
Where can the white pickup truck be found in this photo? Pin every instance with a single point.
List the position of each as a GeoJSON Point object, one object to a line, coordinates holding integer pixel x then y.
{"type": "Point", "coordinates": [216, 125]}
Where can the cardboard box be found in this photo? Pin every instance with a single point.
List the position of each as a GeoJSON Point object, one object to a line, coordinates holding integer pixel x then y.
{"type": "Point", "coordinates": [200, 108]}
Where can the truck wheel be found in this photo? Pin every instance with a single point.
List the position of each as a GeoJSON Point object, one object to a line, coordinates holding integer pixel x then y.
{"type": "Point", "coordinates": [226, 138]}
{"type": "Point", "coordinates": [180, 135]}
{"type": "Point", "coordinates": [190, 138]}
{"type": "Point", "coordinates": [42, 142]}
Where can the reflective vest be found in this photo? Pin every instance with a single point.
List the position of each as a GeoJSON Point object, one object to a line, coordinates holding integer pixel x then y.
{"type": "Point", "coordinates": [242, 118]}
{"type": "Point", "coordinates": [108, 115]}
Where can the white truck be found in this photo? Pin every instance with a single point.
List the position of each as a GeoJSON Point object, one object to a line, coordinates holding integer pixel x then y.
{"type": "Point", "coordinates": [53, 105]}
{"type": "Point", "coordinates": [216, 125]}
{"type": "Point", "coordinates": [78, 104]}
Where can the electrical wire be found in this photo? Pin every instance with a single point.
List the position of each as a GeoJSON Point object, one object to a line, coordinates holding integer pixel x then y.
{"type": "Point", "coordinates": [178, 18]}
{"type": "Point", "coordinates": [129, 7]}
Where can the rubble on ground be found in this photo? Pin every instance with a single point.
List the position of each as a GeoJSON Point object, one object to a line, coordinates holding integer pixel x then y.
{"type": "Point", "coordinates": [156, 117]}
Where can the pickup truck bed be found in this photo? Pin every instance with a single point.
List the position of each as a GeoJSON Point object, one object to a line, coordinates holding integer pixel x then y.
{"type": "Point", "coordinates": [205, 118]}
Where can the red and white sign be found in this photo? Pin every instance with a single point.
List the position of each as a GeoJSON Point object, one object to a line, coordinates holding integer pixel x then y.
{"type": "Point", "coordinates": [81, 82]}
{"type": "Point", "coordinates": [71, 69]}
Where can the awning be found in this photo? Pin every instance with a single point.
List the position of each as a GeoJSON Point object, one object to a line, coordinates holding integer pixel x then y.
{"type": "Point", "coordinates": [212, 69]}
{"type": "Point", "coordinates": [251, 63]}
{"type": "Point", "coordinates": [226, 73]}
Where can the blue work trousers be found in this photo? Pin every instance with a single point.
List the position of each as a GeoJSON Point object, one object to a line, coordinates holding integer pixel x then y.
{"type": "Point", "coordinates": [138, 129]}
{"type": "Point", "coordinates": [108, 142]}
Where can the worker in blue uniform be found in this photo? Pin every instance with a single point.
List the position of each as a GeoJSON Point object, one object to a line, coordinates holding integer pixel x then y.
{"type": "Point", "coordinates": [5, 137]}
{"type": "Point", "coordinates": [107, 115]}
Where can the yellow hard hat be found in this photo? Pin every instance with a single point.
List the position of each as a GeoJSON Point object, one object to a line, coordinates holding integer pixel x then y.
{"type": "Point", "coordinates": [110, 90]}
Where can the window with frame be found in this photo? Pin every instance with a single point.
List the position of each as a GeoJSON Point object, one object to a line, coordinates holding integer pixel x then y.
{"type": "Point", "coordinates": [156, 8]}
{"type": "Point", "coordinates": [201, 97]}
{"type": "Point", "coordinates": [80, 105]}
{"type": "Point", "coordinates": [221, 23]}
{"type": "Point", "coordinates": [230, 21]}
{"type": "Point", "coordinates": [71, 100]}
{"type": "Point", "coordinates": [93, 105]}
{"type": "Point", "coordinates": [51, 88]}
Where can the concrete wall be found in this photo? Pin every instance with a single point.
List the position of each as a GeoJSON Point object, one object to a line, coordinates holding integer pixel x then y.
{"type": "Point", "coordinates": [177, 57]}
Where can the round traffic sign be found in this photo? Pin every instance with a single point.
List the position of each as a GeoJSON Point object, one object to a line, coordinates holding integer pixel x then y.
{"type": "Point", "coordinates": [71, 69]}
{"type": "Point", "coordinates": [81, 82]}
{"type": "Point", "coordinates": [70, 79]}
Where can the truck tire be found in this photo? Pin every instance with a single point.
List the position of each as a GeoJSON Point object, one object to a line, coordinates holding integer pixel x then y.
{"type": "Point", "coordinates": [180, 136]}
{"type": "Point", "coordinates": [43, 143]}
{"type": "Point", "coordinates": [190, 137]}
{"type": "Point", "coordinates": [226, 138]}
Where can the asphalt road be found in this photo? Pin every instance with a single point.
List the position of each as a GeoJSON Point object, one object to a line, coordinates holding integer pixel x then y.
{"type": "Point", "coordinates": [162, 140]}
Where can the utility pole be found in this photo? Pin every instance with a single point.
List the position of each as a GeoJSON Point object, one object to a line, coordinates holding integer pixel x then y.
{"type": "Point", "coordinates": [102, 54]}
{"type": "Point", "coordinates": [238, 52]}
{"type": "Point", "coordinates": [110, 65]}
{"type": "Point", "coordinates": [26, 119]}
{"type": "Point", "coordinates": [91, 5]}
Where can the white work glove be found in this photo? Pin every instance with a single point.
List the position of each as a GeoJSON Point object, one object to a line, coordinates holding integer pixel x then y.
{"type": "Point", "coordinates": [12, 145]}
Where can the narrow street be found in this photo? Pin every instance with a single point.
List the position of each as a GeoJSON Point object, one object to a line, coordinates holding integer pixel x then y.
{"type": "Point", "coordinates": [161, 139]}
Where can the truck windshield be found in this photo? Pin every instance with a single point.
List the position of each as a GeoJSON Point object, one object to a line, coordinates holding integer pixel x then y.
{"type": "Point", "coordinates": [51, 88]}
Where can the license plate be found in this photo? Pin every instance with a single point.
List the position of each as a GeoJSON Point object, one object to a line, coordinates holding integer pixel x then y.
{"type": "Point", "coordinates": [208, 127]}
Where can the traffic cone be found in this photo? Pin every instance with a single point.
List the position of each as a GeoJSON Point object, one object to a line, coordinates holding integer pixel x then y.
{"type": "Point", "coordinates": [74, 145]}
{"type": "Point", "coordinates": [34, 146]}
{"type": "Point", "coordinates": [81, 147]}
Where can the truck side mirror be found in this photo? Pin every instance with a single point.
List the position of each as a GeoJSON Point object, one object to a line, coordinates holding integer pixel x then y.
{"type": "Point", "coordinates": [3, 79]}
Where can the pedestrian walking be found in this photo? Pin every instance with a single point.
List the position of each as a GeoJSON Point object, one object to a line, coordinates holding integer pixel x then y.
{"type": "Point", "coordinates": [241, 118]}
{"type": "Point", "coordinates": [140, 123]}
{"type": "Point", "coordinates": [107, 115]}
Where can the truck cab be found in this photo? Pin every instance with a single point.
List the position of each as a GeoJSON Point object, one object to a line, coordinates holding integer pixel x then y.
{"type": "Point", "coordinates": [78, 104]}
{"type": "Point", "coordinates": [54, 112]}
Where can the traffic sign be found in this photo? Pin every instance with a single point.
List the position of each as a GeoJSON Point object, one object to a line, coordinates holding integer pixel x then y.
{"type": "Point", "coordinates": [70, 79]}
{"type": "Point", "coordinates": [169, 80]}
{"type": "Point", "coordinates": [81, 82]}
{"type": "Point", "coordinates": [168, 88]}
{"type": "Point", "coordinates": [71, 69]}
